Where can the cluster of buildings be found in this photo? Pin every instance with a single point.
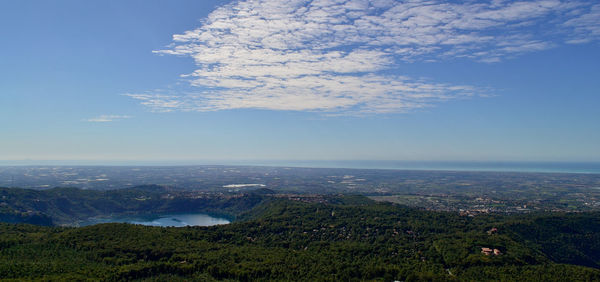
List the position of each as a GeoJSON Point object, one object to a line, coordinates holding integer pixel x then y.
{"type": "Point", "coordinates": [490, 251]}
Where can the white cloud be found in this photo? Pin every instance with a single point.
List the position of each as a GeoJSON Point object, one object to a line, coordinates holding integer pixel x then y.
{"type": "Point", "coordinates": [586, 26]}
{"type": "Point", "coordinates": [107, 118]}
{"type": "Point", "coordinates": [331, 55]}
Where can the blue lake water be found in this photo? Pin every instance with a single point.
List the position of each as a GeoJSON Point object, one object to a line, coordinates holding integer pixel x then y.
{"type": "Point", "coordinates": [165, 220]}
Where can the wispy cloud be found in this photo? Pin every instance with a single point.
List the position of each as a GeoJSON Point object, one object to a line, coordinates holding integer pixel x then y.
{"type": "Point", "coordinates": [336, 56]}
{"type": "Point", "coordinates": [585, 26]}
{"type": "Point", "coordinates": [107, 118]}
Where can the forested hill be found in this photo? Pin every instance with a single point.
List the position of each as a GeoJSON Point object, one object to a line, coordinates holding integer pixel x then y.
{"type": "Point", "coordinates": [348, 238]}
{"type": "Point", "coordinates": [67, 206]}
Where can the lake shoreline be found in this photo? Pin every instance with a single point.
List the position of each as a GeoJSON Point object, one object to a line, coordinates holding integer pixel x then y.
{"type": "Point", "coordinates": [158, 219]}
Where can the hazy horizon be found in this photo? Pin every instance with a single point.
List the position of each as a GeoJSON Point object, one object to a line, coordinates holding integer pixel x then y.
{"type": "Point", "coordinates": [445, 165]}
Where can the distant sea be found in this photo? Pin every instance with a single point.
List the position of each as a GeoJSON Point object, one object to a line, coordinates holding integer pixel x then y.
{"type": "Point", "coordinates": [544, 167]}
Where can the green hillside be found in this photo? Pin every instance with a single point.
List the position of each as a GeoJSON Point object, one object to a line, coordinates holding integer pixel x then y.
{"type": "Point", "coordinates": [348, 238]}
{"type": "Point", "coordinates": [68, 206]}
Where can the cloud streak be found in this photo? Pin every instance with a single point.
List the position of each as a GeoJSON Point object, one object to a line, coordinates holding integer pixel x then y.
{"type": "Point", "coordinates": [336, 56]}
{"type": "Point", "coordinates": [107, 118]}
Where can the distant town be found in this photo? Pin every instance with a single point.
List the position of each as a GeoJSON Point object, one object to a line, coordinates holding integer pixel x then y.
{"type": "Point", "coordinates": [468, 193]}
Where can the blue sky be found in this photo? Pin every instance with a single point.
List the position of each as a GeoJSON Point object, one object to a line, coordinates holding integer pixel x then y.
{"type": "Point", "coordinates": [300, 80]}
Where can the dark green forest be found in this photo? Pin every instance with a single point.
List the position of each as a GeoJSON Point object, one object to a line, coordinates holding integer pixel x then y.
{"type": "Point", "coordinates": [346, 238]}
